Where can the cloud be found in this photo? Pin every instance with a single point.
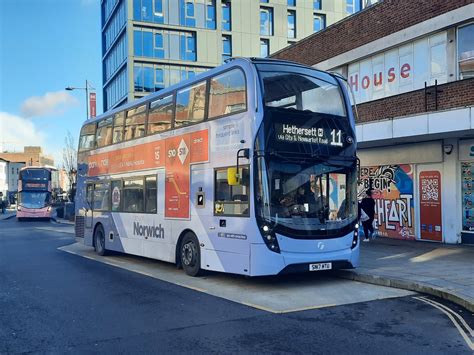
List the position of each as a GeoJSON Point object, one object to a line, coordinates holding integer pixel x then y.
{"type": "Point", "coordinates": [17, 132]}
{"type": "Point", "coordinates": [51, 103]}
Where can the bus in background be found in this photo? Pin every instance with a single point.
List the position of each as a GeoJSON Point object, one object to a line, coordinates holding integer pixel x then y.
{"type": "Point", "coordinates": [35, 187]}
{"type": "Point", "coordinates": [249, 168]}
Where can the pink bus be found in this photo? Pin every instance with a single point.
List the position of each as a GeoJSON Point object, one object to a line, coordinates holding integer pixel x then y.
{"type": "Point", "coordinates": [34, 193]}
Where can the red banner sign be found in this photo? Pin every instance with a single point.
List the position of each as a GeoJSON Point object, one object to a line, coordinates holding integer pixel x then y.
{"type": "Point", "coordinates": [175, 154]}
{"type": "Point", "coordinates": [430, 206]}
{"type": "Point", "coordinates": [92, 104]}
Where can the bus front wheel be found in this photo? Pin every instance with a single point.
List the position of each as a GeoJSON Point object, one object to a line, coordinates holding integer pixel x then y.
{"type": "Point", "coordinates": [191, 255]}
{"type": "Point", "coordinates": [99, 241]}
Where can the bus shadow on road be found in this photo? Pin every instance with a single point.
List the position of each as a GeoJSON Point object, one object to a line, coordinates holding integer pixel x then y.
{"type": "Point", "coordinates": [275, 294]}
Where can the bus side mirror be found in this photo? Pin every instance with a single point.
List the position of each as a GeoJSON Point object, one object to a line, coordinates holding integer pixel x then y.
{"type": "Point", "coordinates": [233, 177]}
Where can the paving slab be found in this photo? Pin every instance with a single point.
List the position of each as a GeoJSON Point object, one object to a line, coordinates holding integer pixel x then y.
{"type": "Point", "coordinates": [445, 271]}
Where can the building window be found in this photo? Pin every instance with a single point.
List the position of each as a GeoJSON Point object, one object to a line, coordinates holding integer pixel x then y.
{"type": "Point", "coordinates": [291, 24]}
{"type": "Point", "coordinates": [264, 1]}
{"type": "Point", "coordinates": [319, 22]}
{"type": "Point", "coordinates": [188, 46]}
{"type": "Point", "coordinates": [226, 16]}
{"type": "Point", "coordinates": [318, 4]}
{"type": "Point", "coordinates": [353, 6]}
{"type": "Point", "coordinates": [266, 21]}
{"type": "Point", "coordinates": [226, 47]}
{"type": "Point", "coordinates": [189, 19]}
{"type": "Point", "coordinates": [159, 48]}
{"type": "Point", "coordinates": [466, 51]}
{"type": "Point", "coordinates": [158, 13]}
{"type": "Point", "coordinates": [211, 14]}
{"type": "Point", "coordinates": [264, 47]}
{"type": "Point", "coordinates": [291, 2]}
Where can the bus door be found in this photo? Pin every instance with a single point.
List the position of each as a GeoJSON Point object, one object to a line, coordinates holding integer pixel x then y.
{"type": "Point", "coordinates": [88, 205]}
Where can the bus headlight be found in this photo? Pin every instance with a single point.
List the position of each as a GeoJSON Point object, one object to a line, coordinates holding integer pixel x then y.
{"type": "Point", "coordinates": [18, 208]}
{"type": "Point", "coordinates": [270, 239]}
{"type": "Point", "coordinates": [48, 209]}
{"type": "Point", "coordinates": [355, 238]}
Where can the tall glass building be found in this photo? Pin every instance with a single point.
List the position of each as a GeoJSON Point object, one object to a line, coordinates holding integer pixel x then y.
{"type": "Point", "coordinates": [150, 44]}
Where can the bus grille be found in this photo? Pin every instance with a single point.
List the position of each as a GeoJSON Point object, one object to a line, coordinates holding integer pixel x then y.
{"type": "Point", "coordinates": [79, 226]}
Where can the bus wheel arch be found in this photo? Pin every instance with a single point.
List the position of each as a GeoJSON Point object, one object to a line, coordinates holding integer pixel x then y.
{"type": "Point", "coordinates": [188, 253]}
{"type": "Point", "coordinates": [98, 239]}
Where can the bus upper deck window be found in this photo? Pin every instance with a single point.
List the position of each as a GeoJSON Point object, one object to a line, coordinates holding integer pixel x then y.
{"type": "Point", "coordinates": [104, 133]}
{"type": "Point", "coordinates": [190, 105]}
{"type": "Point", "coordinates": [87, 138]}
{"type": "Point", "coordinates": [135, 123]}
{"type": "Point", "coordinates": [119, 120]}
{"type": "Point", "coordinates": [160, 115]}
{"type": "Point", "coordinates": [227, 94]}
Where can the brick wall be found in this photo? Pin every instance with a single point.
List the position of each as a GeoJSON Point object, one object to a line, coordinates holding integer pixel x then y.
{"type": "Point", "coordinates": [455, 94]}
{"type": "Point", "coordinates": [375, 22]}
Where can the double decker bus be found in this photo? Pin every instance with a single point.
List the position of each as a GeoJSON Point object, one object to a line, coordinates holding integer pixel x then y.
{"type": "Point", "coordinates": [35, 187]}
{"type": "Point", "coordinates": [249, 168]}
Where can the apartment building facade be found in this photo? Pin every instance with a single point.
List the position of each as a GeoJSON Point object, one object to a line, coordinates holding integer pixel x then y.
{"type": "Point", "coordinates": [412, 76]}
{"type": "Point", "coordinates": [151, 44]}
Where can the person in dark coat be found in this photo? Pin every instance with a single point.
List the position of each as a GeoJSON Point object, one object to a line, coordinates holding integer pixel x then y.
{"type": "Point", "coordinates": [368, 205]}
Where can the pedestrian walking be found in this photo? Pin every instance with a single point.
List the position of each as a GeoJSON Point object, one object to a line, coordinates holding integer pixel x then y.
{"type": "Point", "coordinates": [367, 205]}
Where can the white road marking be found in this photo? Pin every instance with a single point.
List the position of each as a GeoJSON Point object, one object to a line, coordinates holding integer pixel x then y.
{"type": "Point", "coordinates": [57, 230]}
{"type": "Point", "coordinates": [451, 315]}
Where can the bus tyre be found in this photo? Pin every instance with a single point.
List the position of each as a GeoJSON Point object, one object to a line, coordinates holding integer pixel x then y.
{"type": "Point", "coordinates": [191, 255]}
{"type": "Point", "coordinates": [99, 241]}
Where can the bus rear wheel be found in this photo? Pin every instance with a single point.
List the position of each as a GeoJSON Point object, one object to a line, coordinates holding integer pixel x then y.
{"type": "Point", "coordinates": [99, 241]}
{"type": "Point", "coordinates": [191, 255]}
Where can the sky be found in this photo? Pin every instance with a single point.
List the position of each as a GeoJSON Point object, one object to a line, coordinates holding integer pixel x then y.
{"type": "Point", "coordinates": [45, 46]}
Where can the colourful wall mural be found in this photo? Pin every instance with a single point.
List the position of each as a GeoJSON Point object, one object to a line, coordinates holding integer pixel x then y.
{"type": "Point", "coordinates": [394, 203]}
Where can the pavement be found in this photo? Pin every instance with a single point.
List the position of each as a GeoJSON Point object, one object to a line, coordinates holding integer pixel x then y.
{"type": "Point", "coordinates": [9, 213]}
{"type": "Point", "coordinates": [445, 271]}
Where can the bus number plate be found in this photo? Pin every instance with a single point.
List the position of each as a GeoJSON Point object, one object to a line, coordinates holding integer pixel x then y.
{"type": "Point", "coordinates": [320, 266]}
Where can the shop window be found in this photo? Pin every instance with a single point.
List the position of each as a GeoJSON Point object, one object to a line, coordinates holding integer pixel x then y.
{"type": "Point", "coordinates": [466, 51]}
{"type": "Point", "coordinates": [231, 200]}
{"type": "Point", "coordinates": [160, 115]}
{"type": "Point", "coordinates": [150, 194]}
{"type": "Point", "coordinates": [135, 123]}
{"type": "Point", "coordinates": [190, 105]}
{"type": "Point", "coordinates": [227, 94]}
{"type": "Point", "coordinates": [133, 196]}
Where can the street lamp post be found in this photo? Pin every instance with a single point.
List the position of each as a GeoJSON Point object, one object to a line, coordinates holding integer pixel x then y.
{"type": "Point", "coordinates": [87, 88]}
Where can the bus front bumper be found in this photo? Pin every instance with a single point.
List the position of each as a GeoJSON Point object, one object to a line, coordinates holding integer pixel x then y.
{"type": "Point", "coordinates": [265, 262]}
{"type": "Point", "coordinates": [23, 212]}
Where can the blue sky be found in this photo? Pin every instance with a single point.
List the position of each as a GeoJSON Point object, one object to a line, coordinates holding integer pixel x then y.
{"type": "Point", "coordinates": [46, 45]}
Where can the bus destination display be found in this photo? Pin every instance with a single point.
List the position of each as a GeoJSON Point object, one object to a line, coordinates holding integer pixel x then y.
{"type": "Point", "coordinates": [290, 133]}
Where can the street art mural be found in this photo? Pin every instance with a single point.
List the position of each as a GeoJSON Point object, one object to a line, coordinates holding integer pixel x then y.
{"type": "Point", "coordinates": [393, 193]}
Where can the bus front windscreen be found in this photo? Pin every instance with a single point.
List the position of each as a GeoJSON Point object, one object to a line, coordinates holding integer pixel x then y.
{"type": "Point", "coordinates": [307, 198]}
{"type": "Point", "coordinates": [35, 175]}
{"type": "Point", "coordinates": [30, 199]}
